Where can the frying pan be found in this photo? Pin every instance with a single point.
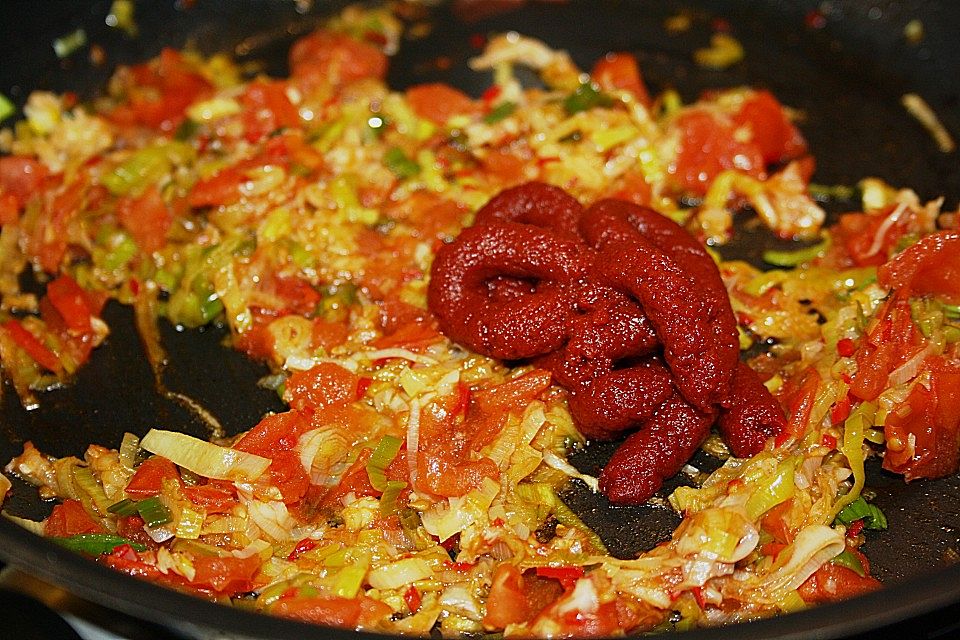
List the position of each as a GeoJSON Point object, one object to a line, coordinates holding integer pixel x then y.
{"type": "Point", "coordinates": [844, 67]}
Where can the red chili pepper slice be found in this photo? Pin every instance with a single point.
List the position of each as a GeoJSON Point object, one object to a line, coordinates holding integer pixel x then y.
{"type": "Point", "coordinates": [302, 547]}
{"type": "Point", "coordinates": [412, 597]}
{"type": "Point", "coordinates": [32, 345]}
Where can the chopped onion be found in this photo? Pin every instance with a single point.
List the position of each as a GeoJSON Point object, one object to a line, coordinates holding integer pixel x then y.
{"type": "Point", "coordinates": [272, 518]}
{"type": "Point", "coordinates": [403, 354]}
{"type": "Point", "coordinates": [205, 458]}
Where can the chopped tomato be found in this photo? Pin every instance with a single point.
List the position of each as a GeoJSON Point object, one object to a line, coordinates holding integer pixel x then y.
{"type": "Point", "coordinates": [266, 108]}
{"type": "Point", "coordinates": [832, 582]}
{"type": "Point", "coordinates": [298, 295]}
{"type": "Point", "coordinates": [148, 479]}
{"type": "Point", "coordinates": [131, 528]}
{"type": "Point", "coordinates": [288, 475]}
{"type": "Point", "coordinates": [332, 610]}
{"type": "Point", "coordinates": [506, 168]}
{"type": "Point", "coordinates": [632, 186]}
{"type": "Point", "coordinates": [40, 353]}
{"type": "Point", "coordinates": [438, 102]}
{"type": "Point", "coordinates": [20, 178]}
{"type": "Point", "coordinates": [708, 146]}
{"type": "Point", "coordinates": [565, 575]}
{"type": "Point", "coordinates": [9, 208]}
{"type": "Point", "coordinates": [444, 475]}
{"type": "Point", "coordinates": [224, 574]}
{"type": "Point", "coordinates": [415, 336]}
{"type": "Point", "coordinates": [48, 242]}
{"type": "Point", "coordinates": [891, 343]}
{"type": "Point", "coordinates": [277, 431]}
{"type": "Point", "coordinates": [327, 58]}
{"type": "Point", "coordinates": [214, 497]}
{"type": "Point", "coordinates": [601, 623]}
{"type": "Point", "coordinates": [355, 480]}
{"type": "Point", "coordinates": [71, 303]}
{"type": "Point", "coordinates": [923, 434]}
{"type": "Point", "coordinates": [929, 267]}
{"type": "Point", "coordinates": [489, 406]}
{"type": "Point", "coordinates": [69, 518]}
{"type": "Point", "coordinates": [620, 71]}
{"type": "Point", "coordinates": [323, 385]}
{"type": "Point", "coordinates": [775, 522]}
{"type": "Point", "coordinates": [799, 396]}
{"type": "Point", "coordinates": [222, 188]}
{"type": "Point", "coordinates": [160, 92]}
{"type": "Point", "coordinates": [146, 218]}
{"type": "Point", "coordinates": [507, 602]}
{"type": "Point", "coordinates": [869, 239]}
{"type": "Point", "coordinates": [329, 333]}
{"type": "Point", "coordinates": [772, 132]}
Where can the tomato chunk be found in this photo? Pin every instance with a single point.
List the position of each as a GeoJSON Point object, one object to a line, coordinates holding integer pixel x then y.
{"type": "Point", "coordinates": [148, 479]}
{"type": "Point", "coordinates": [620, 71]}
{"type": "Point", "coordinates": [70, 519]}
{"type": "Point", "coordinates": [439, 102]}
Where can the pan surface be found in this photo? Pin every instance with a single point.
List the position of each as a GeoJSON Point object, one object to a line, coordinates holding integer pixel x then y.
{"type": "Point", "coordinates": [844, 67]}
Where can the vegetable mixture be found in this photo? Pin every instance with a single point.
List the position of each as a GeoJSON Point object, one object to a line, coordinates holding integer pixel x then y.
{"type": "Point", "coordinates": [413, 484]}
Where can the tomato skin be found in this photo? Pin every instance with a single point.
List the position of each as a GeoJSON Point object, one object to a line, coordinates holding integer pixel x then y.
{"type": "Point", "coordinates": [438, 102]}
{"type": "Point", "coordinates": [929, 267]}
{"type": "Point", "coordinates": [148, 479]}
{"type": "Point", "coordinates": [890, 344]}
{"type": "Point", "coordinates": [222, 188]}
{"type": "Point", "coordinates": [131, 528]}
{"type": "Point", "coordinates": [620, 71]}
{"type": "Point", "coordinates": [332, 610]}
{"type": "Point", "coordinates": [773, 134]}
{"type": "Point", "coordinates": [32, 345]}
{"type": "Point", "coordinates": [932, 424]}
{"type": "Point", "coordinates": [69, 518]}
{"type": "Point", "coordinates": [444, 475]}
{"type": "Point", "coordinates": [326, 58]}
{"type": "Point", "coordinates": [298, 295]}
{"type": "Point", "coordinates": [20, 178]}
{"type": "Point", "coordinates": [266, 108]}
{"type": "Point", "coordinates": [507, 602]}
{"type": "Point", "coordinates": [161, 92]}
{"type": "Point", "coordinates": [214, 497]}
{"type": "Point", "coordinates": [325, 384]}
{"type": "Point", "coordinates": [856, 232]}
{"type": "Point", "coordinates": [71, 303]}
{"type": "Point", "coordinates": [288, 475]}
{"type": "Point", "coordinates": [707, 147]}
{"type": "Point", "coordinates": [146, 218]}
{"type": "Point", "coordinates": [832, 583]}
{"type": "Point", "coordinates": [355, 480]}
{"type": "Point", "coordinates": [799, 396]}
{"type": "Point", "coordinates": [227, 574]}
{"type": "Point", "coordinates": [277, 431]}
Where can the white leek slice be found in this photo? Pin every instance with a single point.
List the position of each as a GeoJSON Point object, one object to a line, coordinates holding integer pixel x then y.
{"type": "Point", "coordinates": [205, 458]}
{"type": "Point", "coordinates": [400, 573]}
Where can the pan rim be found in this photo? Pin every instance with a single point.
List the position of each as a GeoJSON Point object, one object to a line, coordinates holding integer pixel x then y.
{"type": "Point", "coordinates": [172, 609]}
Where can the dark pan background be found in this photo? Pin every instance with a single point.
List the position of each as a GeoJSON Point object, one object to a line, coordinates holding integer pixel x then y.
{"type": "Point", "coordinates": [845, 77]}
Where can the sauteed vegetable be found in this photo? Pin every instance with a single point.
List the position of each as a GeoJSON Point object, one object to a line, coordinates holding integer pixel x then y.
{"type": "Point", "coordinates": [415, 483]}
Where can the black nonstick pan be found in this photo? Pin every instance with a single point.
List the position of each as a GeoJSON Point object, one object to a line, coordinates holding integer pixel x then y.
{"type": "Point", "coordinates": [842, 64]}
